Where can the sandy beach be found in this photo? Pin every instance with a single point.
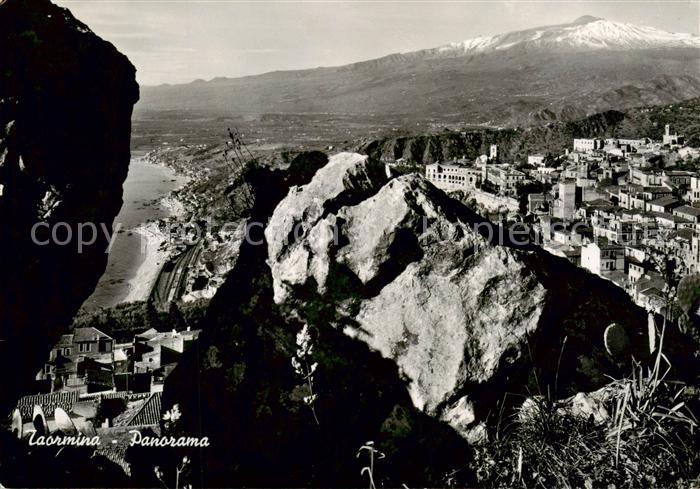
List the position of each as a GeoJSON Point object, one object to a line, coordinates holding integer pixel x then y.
{"type": "Point", "coordinates": [154, 257]}
{"type": "Point", "coordinates": [136, 257]}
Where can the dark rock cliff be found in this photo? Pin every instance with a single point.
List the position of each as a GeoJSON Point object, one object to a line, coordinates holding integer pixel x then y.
{"type": "Point", "coordinates": [66, 98]}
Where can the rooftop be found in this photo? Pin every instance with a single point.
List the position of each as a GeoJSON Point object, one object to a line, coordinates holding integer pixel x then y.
{"type": "Point", "coordinates": [88, 334]}
{"type": "Point", "coordinates": [657, 190]}
{"type": "Point", "coordinates": [664, 201]}
{"type": "Point", "coordinates": [685, 234]}
{"type": "Point", "coordinates": [48, 403]}
{"type": "Point", "coordinates": [144, 412]}
{"type": "Point", "coordinates": [687, 210]}
{"type": "Point", "coordinates": [670, 217]}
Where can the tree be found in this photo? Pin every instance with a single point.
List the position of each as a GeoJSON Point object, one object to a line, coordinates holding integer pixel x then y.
{"type": "Point", "coordinates": [151, 317]}
{"type": "Point", "coordinates": [175, 317]}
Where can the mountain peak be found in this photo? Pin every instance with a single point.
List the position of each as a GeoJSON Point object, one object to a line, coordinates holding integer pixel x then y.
{"type": "Point", "coordinates": [586, 33]}
{"type": "Point", "coordinates": [586, 19]}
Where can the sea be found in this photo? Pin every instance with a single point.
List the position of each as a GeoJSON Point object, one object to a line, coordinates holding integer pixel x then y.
{"type": "Point", "coordinates": [145, 185]}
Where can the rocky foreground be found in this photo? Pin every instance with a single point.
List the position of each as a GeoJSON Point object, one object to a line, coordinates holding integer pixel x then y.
{"type": "Point", "coordinates": [422, 327]}
{"type": "Point", "coordinates": [458, 314]}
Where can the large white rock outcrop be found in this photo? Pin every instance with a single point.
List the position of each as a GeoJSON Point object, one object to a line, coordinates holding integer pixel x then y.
{"type": "Point", "coordinates": [295, 238]}
{"type": "Point", "coordinates": [422, 282]}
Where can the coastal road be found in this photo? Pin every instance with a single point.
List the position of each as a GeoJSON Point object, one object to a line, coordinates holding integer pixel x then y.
{"type": "Point", "coordinates": [173, 276]}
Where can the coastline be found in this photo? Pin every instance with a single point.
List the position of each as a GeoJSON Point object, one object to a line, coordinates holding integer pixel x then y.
{"type": "Point", "coordinates": [150, 198]}
{"type": "Point", "coordinates": [153, 247]}
{"type": "Point", "coordinates": [154, 255]}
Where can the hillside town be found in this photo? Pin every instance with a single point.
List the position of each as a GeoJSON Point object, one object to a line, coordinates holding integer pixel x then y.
{"type": "Point", "coordinates": [624, 209]}
{"type": "Point", "coordinates": [105, 388]}
{"type": "Point", "coordinates": [87, 361]}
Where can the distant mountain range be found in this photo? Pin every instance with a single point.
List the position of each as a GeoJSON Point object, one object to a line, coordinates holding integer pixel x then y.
{"type": "Point", "coordinates": [560, 72]}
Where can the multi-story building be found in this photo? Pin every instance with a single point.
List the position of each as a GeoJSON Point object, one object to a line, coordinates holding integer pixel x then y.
{"type": "Point", "coordinates": [630, 198]}
{"type": "Point", "coordinates": [695, 190]}
{"type": "Point", "coordinates": [637, 197]}
{"type": "Point", "coordinates": [690, 213]}
{"type": "Point", "coordinates": [672, 139]}
{"type": "Point", "coordinates": [588, 145]}
{"type": "Point", "coordinates": [677, 178]}
{"type": "Point", "coordinates": [646, 178]}
{"type": "Point", "coordinates": [633, 143]}
{"type": "Point", "coordinates": [602, 256]}
{"type": "Point", "coordinates": [566, 203]}
{"type": "Point", "coordinates": [695, 253]}
{"type": "Point", "coordinates": [504, 177]}
{"type": "Point", "coordinates": [88, 361]}
{"type": "Point", "coordinates": [79, 361]}
{"type": "Point", "coordinates": [618, 231]}
{"type": "Point", "coordinates": [450, 176]}
{"type": "Point", "coordinates": [662, 204]}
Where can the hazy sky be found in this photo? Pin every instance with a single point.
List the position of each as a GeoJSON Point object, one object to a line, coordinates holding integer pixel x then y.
{"type": "Point", "coordinates": [176, 41]}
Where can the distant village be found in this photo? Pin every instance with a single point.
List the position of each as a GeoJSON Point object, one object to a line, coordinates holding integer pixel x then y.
{"type": "Point", "coordinates": [612, 208]}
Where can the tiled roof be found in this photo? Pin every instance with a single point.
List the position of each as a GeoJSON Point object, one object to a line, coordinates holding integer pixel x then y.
{"type": "Point", "coordinates": [48, 403]}
{"type": "Point", "coordinates": [88, 334]}
{"type": "Point", "coordinates": [115, 453]}
{"type": "Point", "coordinates": [657, 189]}
{"type": "Point", "coordinates": [65, 341]}
{"type": "Point", "coordinates": [145, 414]}
{"type": "Point", "coordinates": [687, 210]}
{"type": "Point", "coordinates": [117, 395]}
{"type": "Point", "coordinates": [664, 201]}
{"type": "Point", "coordinates": [599, 203]}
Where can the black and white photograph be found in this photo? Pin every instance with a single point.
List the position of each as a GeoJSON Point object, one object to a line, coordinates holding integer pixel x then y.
{"type": "Point", "coordinates": [391, 244]}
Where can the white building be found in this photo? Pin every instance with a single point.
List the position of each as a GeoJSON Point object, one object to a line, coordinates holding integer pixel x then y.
{"type": "Point", "coordinates": [564, 206]}
{"type": "Point", "coordinates": [695, 253]}
{"type": "Point", "coordinates": [449, 177]}
{"type": "Point", "coordinates": [672, 139]}
{"type": "Point", "coordinates": [505, 178]}
{"type": "Point", "coordinates": [602, 257]}
{"type": "Point", "coordinates": [695, 190]}
{"type": "Point", "coordinates": [535, 160]}
{"type": "Point", "coordinates": [588, 145]}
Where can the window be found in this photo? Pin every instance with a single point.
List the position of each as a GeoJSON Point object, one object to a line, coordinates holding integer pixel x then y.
{"type": "Point", "coordinates": [66, 351]}
{"type": "Point", "coordinates": [83, 347]}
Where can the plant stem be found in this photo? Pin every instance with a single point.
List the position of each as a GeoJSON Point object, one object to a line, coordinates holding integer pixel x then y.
{"type": "Point", "coordinates": [311, 393]}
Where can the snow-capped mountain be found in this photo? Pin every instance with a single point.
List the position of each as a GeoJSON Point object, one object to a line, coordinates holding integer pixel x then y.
{"type": "Point", "coordinates": [585, 33]}
{"type": "Point", "coordinates": [555, 72]}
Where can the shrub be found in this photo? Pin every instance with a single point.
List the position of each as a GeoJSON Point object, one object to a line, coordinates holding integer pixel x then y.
{"type": "Point", "coordinates": [649, 440]}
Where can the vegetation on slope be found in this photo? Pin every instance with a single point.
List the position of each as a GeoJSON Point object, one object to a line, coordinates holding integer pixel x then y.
{"type": "Point", "coordinates": [514, 145]}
